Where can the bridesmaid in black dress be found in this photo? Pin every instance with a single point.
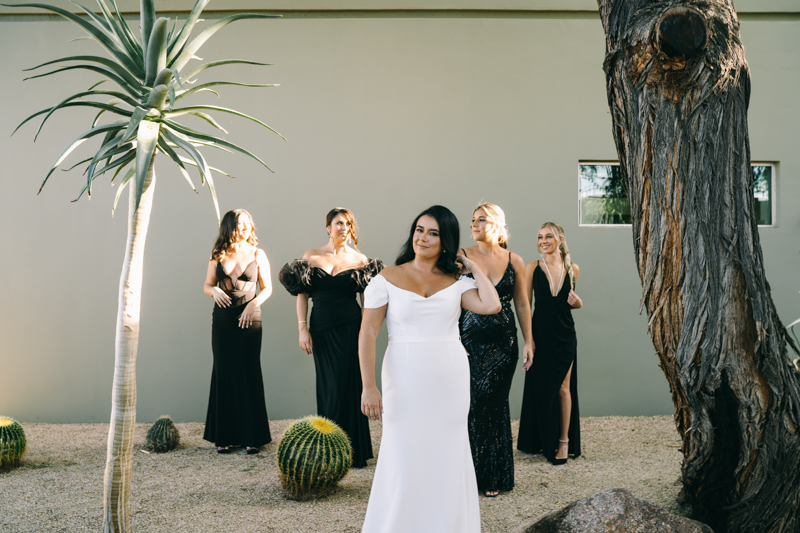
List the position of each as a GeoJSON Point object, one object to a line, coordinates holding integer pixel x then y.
{"type": "Point", "coordinates": [237, 413]}
{"type": "Point", "coordinates": [332, 275]}
{"type": "Point", "coordinates": [491, 344]}
{"type": "Point", "coordinates": [550, 422]}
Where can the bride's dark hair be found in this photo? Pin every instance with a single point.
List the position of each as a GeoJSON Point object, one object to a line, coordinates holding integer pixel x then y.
{"type": "Point", "coordinates": [449, 233]}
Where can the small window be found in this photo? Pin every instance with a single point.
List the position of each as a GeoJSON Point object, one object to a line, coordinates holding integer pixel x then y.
{"type": "Point", "coordinates": [603, 201]}
{"type": "Point", "coordinates": [763, 185]}
{"type": "Point", "coordinates": [602, 195]}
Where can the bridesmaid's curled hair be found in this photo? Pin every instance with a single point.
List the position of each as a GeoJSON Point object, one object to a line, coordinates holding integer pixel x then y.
{"type": "Point", "coordinates": [349, 217]}
{"type": "Point", "coordinates": [227, 233]}
{"type": "Point", "coordinates": [449, 233]}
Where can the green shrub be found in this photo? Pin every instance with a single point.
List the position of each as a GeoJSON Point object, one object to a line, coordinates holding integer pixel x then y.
{"type": "Point", "coordinates": [13, 443]}
{"type": "Point", "coordinates": [163, 435]}
{"type": "Point", "coordinates": [313, 455]}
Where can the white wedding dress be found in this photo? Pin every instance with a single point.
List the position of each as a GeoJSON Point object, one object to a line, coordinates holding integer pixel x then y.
{"type": "Point", "coordinates": [425, 479]}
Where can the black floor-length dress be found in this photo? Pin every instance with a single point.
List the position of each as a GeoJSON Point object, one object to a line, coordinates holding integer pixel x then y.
{"type": "Point", "coordinates": [556, 349]}
{"type": "Point", "coordinates": [334, 325]}
{"type": "Point", "coordinates": [492, 350]}
{"type": "Point", "coordinates": [237, 412]}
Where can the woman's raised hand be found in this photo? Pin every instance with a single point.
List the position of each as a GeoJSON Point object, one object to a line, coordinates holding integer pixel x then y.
{"type": "Point", "coordinates": [574, 300]}
{"type": "Point", "coordinates": [371, 403]}
{"type": "Point", "coordinates": [221, 299]}
{"type": "Point", "coordinates": [465, 264]}
{"type": "Point", "coordinates": [305, 341]}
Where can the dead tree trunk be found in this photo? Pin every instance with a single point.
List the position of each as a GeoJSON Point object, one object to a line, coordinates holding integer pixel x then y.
{"type": "Point", "coordinates": [678, 88]}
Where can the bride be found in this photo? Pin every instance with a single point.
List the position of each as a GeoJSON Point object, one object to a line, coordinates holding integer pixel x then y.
{"type": "Point", "coordinates": [425, 478]}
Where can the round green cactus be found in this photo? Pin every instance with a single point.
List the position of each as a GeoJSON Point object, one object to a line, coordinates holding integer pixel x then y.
{"type": "Point", "coordinates": [314, 454]}
{"type": "Point", "coordinates": [12, 442]}
{"type": "Point", "coordinates": [163, 435]}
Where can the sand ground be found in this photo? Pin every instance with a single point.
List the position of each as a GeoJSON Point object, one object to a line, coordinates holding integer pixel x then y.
{"type": "Point", "coordinates": [59, 486]}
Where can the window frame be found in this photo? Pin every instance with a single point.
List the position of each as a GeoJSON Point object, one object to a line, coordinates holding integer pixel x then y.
{"type": "Point", "coordinates": [773, 185]}
{"type": "Point", "coordinates": [580, 223]}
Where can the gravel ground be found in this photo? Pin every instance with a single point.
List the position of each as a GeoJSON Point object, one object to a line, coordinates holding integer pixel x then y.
{"type": "Point", "coordinates": [59, 486]}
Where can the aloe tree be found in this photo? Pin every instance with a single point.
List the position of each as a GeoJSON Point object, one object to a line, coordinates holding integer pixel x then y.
{"type": "Point", "coordinates": [151, 81]}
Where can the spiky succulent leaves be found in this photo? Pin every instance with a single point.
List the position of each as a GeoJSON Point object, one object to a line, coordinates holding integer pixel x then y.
{"type": "Point", "coordinates": [100, 35]}
{"type": "Point", "coordinates": [191, 48]}
{"type": "Point", "coordinates": [13, 443]}
{"type": "Point", "coordinates": [156, 51]}
{"type": "Point", "coordinates": [313, 455]}
{"type": "Point", "coordinates": [176, 46]}
{"type": "Point", "coordinates": [147, 14]}
{"type": "Point", "coordinates": [147, 73]}
{"type": "Point", "coordinates": [163, 436]}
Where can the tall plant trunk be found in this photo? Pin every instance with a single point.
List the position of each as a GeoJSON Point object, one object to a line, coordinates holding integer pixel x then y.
{"type": "Point", "coordinates": [678, 88]}
{"type": "Point", "coordinates": [119, 455]}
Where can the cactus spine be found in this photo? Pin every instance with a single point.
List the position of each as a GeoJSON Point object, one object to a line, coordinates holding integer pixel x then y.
{"type": "Point", "coordinates": [13, 443]}
{"type": "Point", "coordinates": [313, 455]}
{"type": "Point", "coordinates": [163, 435]}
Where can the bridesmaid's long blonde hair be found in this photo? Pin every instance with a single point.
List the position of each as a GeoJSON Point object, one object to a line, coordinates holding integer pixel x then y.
{"type": "Point", "coordinates": [497, 217]}
{"type": "Point", "coordinates": [563, 248]}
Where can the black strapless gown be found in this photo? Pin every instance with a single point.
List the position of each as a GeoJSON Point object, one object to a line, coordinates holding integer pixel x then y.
{"type": "Point", "coordinates": [556, 350]}
{"type": "Point", "coordinates": [237, 412]}
{"type": "Point", "coordinates": [491, 344]}
{"type": "Point", "coordinates": [334, 325]}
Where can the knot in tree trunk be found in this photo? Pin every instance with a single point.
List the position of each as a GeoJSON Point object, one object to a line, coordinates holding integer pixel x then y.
{"type": "Point", "coordinates": [681, 32]}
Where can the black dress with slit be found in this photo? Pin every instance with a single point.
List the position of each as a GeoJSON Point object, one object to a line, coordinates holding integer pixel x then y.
{"type": "Point", "coordinates": [237, 412]}
{"type": "Point", "coordinates": [334, 325]}
{"type": "Point", "coordinates": [556, 349]}
{"type": "Point", "coordinates": [492, 350]}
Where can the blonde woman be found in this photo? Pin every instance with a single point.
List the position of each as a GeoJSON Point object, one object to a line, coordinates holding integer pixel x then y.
{"type": "Point", "coordinates": [332, 275]}
{"type": "Point", "coordinates": [549, 423]}
{"type": "Point", "coordinates": [238, 280]}
{"type": "Point", "coordinates": [491, 344]}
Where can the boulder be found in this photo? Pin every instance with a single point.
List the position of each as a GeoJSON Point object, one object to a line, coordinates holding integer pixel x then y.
{"type": "Point", "coordinates": [612, 511]}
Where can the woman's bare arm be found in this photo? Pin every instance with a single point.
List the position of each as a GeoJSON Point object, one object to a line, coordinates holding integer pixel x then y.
{"type": "Point", "coordinates": [484, 300]}
{"type": "Point", "coordinates": [371, 401]}
{"type": "Point", "coordinates": [210, 286]}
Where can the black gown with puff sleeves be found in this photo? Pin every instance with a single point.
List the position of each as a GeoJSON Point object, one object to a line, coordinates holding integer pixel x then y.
{"type": "Point", "coordinates": [334, 325]}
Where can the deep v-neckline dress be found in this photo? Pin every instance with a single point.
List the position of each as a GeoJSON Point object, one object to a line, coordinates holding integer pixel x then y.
{"type": "Point", "coordinates": [556, 349]}
{"type": "Point", "coordinates": [491, 344]}
{"type": "Point", "coordinates": [334, 325]}
{"type": "Point", "coordinates": [237, 411]}
{"type": "Point", "coordinates": [424, 481]}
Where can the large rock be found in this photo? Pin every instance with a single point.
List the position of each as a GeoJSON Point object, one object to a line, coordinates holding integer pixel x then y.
{"type": "Point", "coordinates": [612, 511]}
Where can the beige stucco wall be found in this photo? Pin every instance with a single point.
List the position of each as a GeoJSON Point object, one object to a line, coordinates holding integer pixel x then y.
{"type": "Point", "coordinates": [386, 113]}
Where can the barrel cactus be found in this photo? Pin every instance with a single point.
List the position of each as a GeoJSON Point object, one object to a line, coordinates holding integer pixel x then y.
{"type": "Point", "coordinates": [163, 435]}
{"type": "Point", "coordinates": [12, 442]}
{"type": "Point", "coordinates": [314, 454]}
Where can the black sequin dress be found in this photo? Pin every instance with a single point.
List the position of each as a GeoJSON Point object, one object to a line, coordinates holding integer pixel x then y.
{"type": "Point", "coordinates": [491, 344]}
{"type": "Point", "coordinates": [237, 411]}
{"type": "Point", "coordinates": [556, 350]}
{"type": "Point", "coordinates": [334, 325]}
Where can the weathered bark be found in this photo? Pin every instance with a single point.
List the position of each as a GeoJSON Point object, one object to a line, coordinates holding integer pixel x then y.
{"type": "Point", "coordinates": [119, 454]}
{"type": "Point", "coordinates": [678, 88]}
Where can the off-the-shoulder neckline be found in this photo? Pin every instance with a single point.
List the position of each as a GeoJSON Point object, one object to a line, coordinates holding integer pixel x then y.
{"type": "Point", "coordinates": [417, 294]}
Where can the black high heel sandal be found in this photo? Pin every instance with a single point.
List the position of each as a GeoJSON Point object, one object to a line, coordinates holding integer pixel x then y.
{"type": "Point", "coordinates": [561, 461]}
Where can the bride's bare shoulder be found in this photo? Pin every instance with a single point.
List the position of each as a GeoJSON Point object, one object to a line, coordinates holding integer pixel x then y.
{"type": "Point", "coordinates": [391, 273]}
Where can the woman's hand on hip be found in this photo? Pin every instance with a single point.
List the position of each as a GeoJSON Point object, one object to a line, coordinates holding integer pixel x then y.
{"type": "Point", "coordinates": [246, 318]}
{"type": "Point", "coordinates": [371, 403]}
{"type": "Point", "coordinates": [305, 341]}
{"type": "Point", "coordinates": [221, 299]}
{"type": "Point", "coordinates": [527, 355]}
